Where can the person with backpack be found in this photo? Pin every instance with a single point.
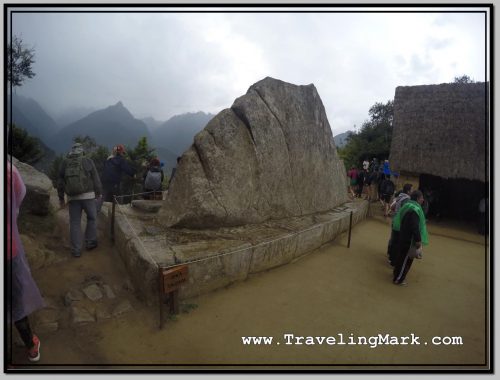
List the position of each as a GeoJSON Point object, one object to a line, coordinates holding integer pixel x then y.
{"type": "Point", "coordinates": [400, 198]}
{"type": "Point", "coordinates": [152, 179]}
{"type": "Point", "coordinates": [79, 180]}
{"type": "Point", "coordinates": [114, 167]}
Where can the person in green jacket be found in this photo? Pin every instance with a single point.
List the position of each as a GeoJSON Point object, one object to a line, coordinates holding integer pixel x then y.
{"type": "Point", "coordinates": [410, 222]}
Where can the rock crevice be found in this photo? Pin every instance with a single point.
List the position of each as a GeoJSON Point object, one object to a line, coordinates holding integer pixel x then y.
{"type": "Point", "coordinates": [286, 144]}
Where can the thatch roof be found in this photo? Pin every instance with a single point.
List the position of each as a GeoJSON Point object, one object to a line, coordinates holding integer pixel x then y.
{"type": "Point", "coordinates": [441, 130]}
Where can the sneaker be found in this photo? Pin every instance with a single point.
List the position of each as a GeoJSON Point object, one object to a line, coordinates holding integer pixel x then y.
{"type": "Point", "coordinates": [34, 352]}
{"type": "Point", "coordinates": [76, 254]}
{"type": "Point", "coordinates": [403, 283]}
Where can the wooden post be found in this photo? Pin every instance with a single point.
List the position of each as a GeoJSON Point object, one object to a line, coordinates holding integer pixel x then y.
{"type": "Point", "coordinates": [174, 302]}
{"type": "Point", "coordinates": [350, 227]}
{"type": "Point", "coordinates": [112, 233]}
{"type": "Point", "coordinates": [170, 281]}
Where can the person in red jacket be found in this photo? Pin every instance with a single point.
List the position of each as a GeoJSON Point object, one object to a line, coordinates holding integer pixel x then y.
{"type": "Point", "coordinates": [114, 167]}
{"type": "Point", "coordinates": [353, 175]}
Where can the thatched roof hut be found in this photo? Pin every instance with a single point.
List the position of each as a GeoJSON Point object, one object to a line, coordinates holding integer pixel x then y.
{"type": "Point", "coordinates": [441, 130]}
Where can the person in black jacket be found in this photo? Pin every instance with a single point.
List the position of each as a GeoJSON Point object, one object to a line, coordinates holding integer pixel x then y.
{"type": "Point", "coordinates": [114, 167]}
{"type": "Point", "coordinates": [361, 182]}
{"type": "Point", "coordinates": [398, 202]}
{"type": "Point", "coordinates": [386, 193]}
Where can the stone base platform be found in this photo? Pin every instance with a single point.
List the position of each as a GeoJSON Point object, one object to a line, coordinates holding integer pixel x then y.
{"type": "Point", "coordinates": [217, 257]}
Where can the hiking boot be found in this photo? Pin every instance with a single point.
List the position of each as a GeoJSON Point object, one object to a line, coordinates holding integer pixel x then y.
{"type": "Point", "coordinates": [34, 352]}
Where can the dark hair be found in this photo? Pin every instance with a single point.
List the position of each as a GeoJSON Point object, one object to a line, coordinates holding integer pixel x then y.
{"type": "Point", "coordinates": [416, 194]}
{"type": "Point", "coordinates": [407, 188]}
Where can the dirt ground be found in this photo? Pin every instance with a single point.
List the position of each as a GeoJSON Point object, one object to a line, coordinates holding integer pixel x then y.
{"type": "Point", "coordinates": [334, 290]}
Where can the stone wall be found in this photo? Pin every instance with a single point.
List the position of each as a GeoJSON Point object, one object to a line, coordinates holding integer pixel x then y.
{"type": "Point", "coordinates": [221, 256]}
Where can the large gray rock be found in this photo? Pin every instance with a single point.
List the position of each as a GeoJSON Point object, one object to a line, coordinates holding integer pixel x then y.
{"type": "Point", "coordinates": [38, 187]}
{"type": "Point", "coordinates": [270, 156]}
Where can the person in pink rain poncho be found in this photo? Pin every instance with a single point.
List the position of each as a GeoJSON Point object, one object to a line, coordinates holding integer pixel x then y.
{"type": "Point", "coordinates": [23, 295]}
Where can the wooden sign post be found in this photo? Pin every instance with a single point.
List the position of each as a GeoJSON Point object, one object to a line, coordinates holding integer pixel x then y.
{"type": "Point", "coordinates": [170, 282]}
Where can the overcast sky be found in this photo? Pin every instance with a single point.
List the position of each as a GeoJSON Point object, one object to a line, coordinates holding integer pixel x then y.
{"type": "Point", "coordinates": [163, 64]}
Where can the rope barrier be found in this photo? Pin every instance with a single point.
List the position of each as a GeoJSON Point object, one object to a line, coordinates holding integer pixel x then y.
{"type": "Point", "coordinates": [253, 246]}
{"type": "Point", "coordinates": [173, 295]}
{"type": "Point", "coordinates": [224, 253]}
{"type": "Point", "coordinates": [220, 254]}
{"type": "Point", "coordinates": [135, 194]}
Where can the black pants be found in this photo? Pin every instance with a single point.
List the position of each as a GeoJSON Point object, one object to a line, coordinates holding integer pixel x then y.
{"type": "Point", "coordinates": [392, 247]}
{"type": "Point", "coordinates": [23, 326]}
{"type": "Point", "coordinates": [359, 189]}
{"type": "Point", "coordinates": [109, 190]}
{"type": "Point", "coordinates": [402, 263]}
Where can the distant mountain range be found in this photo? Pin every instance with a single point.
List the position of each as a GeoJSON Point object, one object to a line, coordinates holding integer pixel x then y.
{"type": "Point", "coordinates": [341, 139]}
{"type": "Point", "coordinates": [152, 123]}
{"type": "Point", "coordinates": [176, 134]}
{"type": "Point", "coordinates": [113, 125]}
{"type": "Point", "coordinates": [29, 115]}
{"type": "Point", "coordinates": [73, 114]}
{"type": "Point", "coordinates": [109, 126]}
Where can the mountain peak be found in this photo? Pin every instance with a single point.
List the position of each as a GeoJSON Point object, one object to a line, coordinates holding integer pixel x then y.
{"type": "Point", "coordinates": [119, 104]}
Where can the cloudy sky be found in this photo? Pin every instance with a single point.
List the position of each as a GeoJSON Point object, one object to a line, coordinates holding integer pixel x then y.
{"type": "Point", "coordinates": [163, 64]}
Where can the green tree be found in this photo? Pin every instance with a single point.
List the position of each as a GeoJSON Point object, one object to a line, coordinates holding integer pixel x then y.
{"type": "Point", "coordinates": [20, 60]}
{"type": "Point", "coordinates": [373, 139]}
{"type": "Point", "coordinates": [463, 79]}
{"type": "Point", "coordinates": [138, 158]}
{"type": "Point", "coordinates": [24, 147]}
{"type": "Point", "coordinates": [19, 67]}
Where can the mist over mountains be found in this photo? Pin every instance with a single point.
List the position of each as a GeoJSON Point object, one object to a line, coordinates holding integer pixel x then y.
{"type": "Point", "coordinates": [72, 114]}
{"type": "Point", "coordinates": [29, 115]}
{"type": "Point", "coordinates": [109, 126]}
{"type": "Point", "coordinates": [176, 134]}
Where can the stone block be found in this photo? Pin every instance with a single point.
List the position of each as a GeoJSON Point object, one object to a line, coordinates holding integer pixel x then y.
{"type": "Point", "coordinates": [274, 253]}
{"type": "Point", "coordinates": [123, 307]}
{"type": "Point", "coordinates": [93, 292]}
{"type": "Point", "coordinates": [81, 315]}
